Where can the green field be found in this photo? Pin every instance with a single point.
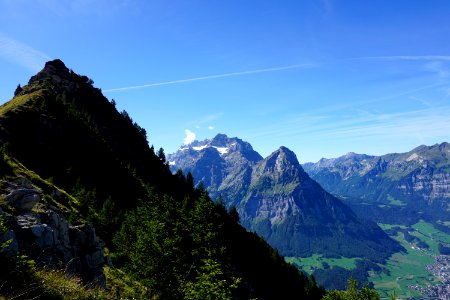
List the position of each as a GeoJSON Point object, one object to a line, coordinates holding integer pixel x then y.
{"type": "Point", "coordinates": [316, 261]}
{"type": "Point", "coordinates": [395, 202]}
{"type": "Point", "coordinates": [408, 268]}
{"type": "Point", "coordinates": [401, 270]}
{"type": "Point", "coordinates": [430, 235]}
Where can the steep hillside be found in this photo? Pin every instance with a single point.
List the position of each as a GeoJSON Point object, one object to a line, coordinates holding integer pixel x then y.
{"type": "Point", "coordinates": [393, 188]}
{"type": "Point", "coordinates": [62, 127]}
{"type": "Point", "coordinates": [64, 144]}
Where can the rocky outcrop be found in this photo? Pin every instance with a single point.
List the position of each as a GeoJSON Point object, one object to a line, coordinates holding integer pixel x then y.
{"type": "Point", "coordinates": [23, 199]}
{"type": "Point", "coordinates": [45, 235]}
{"type": "Point", "coordinates": [21, 194]}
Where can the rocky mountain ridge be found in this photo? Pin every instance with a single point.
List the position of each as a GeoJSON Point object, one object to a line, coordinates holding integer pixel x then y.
{"type": "Point", "coordinates": [413, 183]}
{"type": "Point", "coordinates": [276, 198]}
{"type": "Point", "coordinates": [222, 163]}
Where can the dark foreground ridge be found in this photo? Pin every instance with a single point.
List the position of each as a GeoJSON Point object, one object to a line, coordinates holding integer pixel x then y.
{"type": "Point", "coordinates": [92, 183]}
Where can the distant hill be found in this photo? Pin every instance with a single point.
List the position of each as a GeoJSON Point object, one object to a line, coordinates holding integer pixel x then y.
{"type": "Point", "coordinates": [276, 198]}
{"type": "Point", "coordinates": [82, 172]}
{"type": "Point", "coordinates": [397, 188]}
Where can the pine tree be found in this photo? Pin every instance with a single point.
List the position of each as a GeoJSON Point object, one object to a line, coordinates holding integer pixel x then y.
{"type": "Point", "coordinates": [18, 90]}
{"type": "Point", "coordinates": [161, 155]}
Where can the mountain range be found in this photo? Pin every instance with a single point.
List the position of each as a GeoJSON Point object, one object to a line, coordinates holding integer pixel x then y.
{"type": "Point", "coordinates": [81, 190]}
{"type": "Point", "coordinates": [277, 199]}
{"type": "Point", "coordinates": [397, 188]}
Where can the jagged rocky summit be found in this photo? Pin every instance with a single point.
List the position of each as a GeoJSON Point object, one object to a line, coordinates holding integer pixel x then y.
{"type": "Point", "coordinates": [222, 164]}
{"type": "Point", "coordinates": [275, 197]}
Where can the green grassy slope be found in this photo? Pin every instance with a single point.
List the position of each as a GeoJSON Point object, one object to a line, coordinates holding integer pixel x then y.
{"type": "Point", "coordinates": [61, 133]}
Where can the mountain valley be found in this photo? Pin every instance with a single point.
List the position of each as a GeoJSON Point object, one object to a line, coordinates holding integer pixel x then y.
{"type": "Point", "coordinates": [276, 198]}
{"type": "Point", "coordinates": [85, 201]}
{"type": "Point", "coordinates": [406, 194]}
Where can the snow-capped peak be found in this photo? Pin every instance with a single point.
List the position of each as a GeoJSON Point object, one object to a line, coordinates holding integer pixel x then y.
{"type": "Point", "coordinates": [221, 150]}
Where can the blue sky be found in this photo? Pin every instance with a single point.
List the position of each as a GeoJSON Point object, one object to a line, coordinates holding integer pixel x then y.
{"type": "Point", "coordinates": [321, 77]}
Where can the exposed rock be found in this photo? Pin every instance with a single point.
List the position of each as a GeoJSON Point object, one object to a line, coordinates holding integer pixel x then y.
{"type": "Point", "coordinates": [17, 184]}
{"type": "Point", "coordinates": [27, 220]}
{"type": "Point", "coordinates": [23, 199]}
{"type": "Point", "coordinates": [23, 182]}
{"type": "Point", "coordinates": [47, 237]}
{"type": "Point", "coordinates": [32, 234]}
{"type": "Point", "coordinates": [60, 226]}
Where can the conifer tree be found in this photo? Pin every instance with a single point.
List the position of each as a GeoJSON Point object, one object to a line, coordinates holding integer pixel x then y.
{"type": "Point", "coordinates": [18, 90]}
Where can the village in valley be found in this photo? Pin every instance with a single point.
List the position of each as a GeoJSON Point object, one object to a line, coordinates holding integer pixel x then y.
{"type": "Point", "coordinates": [440, 269]}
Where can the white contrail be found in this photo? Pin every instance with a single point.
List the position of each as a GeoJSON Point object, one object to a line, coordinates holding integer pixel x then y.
{"type": "Point", "coordinates": [210, 77]}
{"type": "Point", "coordinates": [22, 54]}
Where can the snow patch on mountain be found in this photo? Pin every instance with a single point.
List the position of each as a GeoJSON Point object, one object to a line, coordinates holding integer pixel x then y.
{"type": "Point", "coordinates": [199, 148]}
{"type": "Point", "coordinates": [222, 150]}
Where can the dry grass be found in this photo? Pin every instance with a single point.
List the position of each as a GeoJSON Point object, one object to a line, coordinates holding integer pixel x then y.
{"type": "Point", "coordinates": [59, 285]}
{"type": "Point", "coordinates": [18, 101]}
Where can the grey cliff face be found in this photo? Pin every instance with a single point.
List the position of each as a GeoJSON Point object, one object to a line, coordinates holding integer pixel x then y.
{"type": "Point", "coordinates": [45, 235]}
{"type": "Point", "coordinates": [418, 180]}
{"type": "Point", "coordinates": [275, 197]}
{"type": "Point", "coordinates": [221, 163]}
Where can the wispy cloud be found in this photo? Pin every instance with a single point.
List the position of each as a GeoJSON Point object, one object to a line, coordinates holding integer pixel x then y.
{"type": "Point", "coordinates": [347, 105]}
{"type": "Point", "coordinates": [327, 7]}
{"type": "Point", "coordinates": [209, 118]}
{"type": "Point", "coordinates": [199, 123]}
{"type": "Point", "coordinates": [437, 64]}
{"type": "Point", "coordinates": [211, 127]}
{"type": "Point", "coordinates": [210, 77]}
{"type": "Point", "coordinates": [438, 67]}
{"type": "Point", "coordinates": [20, 53]}
{"type": "Point", "coordinates": [406, 57]}
{"type": "Point", "coordinates": [189, 138]}
{"type": "Point", "coordinates": [429, 123]}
